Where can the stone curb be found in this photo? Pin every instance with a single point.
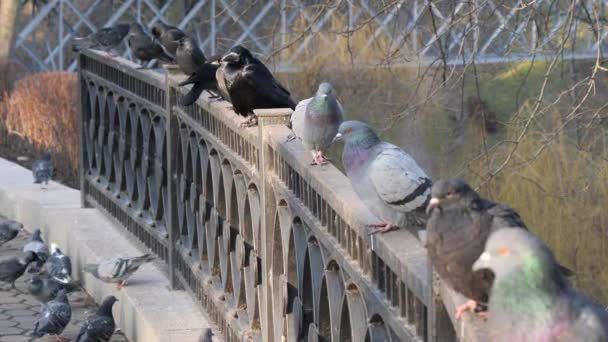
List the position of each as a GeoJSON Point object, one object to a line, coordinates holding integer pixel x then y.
{"type": "Point", "coordinates": [147, 310]}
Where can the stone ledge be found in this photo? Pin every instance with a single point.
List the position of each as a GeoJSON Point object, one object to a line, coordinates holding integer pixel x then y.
{"type": "Point", "coordinates": [147, 311]}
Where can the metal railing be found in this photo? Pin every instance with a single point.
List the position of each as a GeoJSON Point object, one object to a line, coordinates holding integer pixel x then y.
{"type": "Point", "coordinates": [270, 247]}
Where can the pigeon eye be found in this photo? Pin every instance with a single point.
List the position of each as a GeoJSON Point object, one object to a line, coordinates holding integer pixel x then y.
{"type": "Point", "coordinates": [503, 251]}
{"type": "Point", "coordinates": [348, 130]}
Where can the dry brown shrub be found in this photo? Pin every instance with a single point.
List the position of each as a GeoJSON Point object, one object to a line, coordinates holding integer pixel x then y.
{"type": "Point", "coordinates": [42, 111]}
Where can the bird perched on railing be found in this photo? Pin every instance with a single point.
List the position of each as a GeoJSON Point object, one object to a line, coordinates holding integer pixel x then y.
{"type": "Point", "coordinates": [54, 317]}
{"type": "Point", "coordinates": [189, 56]}
{"type": "Point", "coordinates": [40, 250]}
{"type": "Point", "coordinates": [118, 269]}
{"type": "Point", "coordinates": [105, 39]}
{"type": "Point", "coordinates": [202, 79]}
{"type": "Point", "coordinates": [13, 268]}
{"type": "Point", "coordinates": [144, 47]}
{"type": "Point", "coordinates": [59, 265]}
{"type": "Point", "coordinates": [168, 36]}
{"type": "Point", "coordinates": [316, 120]}
{"type": "Point", "coordinates": [43, 169]}
{"type": "Point", "coordinates": [386, 178]}
{"type": "Point", "coordinates": [9, 229]}
{"type": "Point", "coordinates": [249, 85]}
{"type": "Point", "coordinates": [457, 229]}
{"type": "Point", "coordinates": [530, 298]}
{"type": "Point", "coordinates": [99, 327]}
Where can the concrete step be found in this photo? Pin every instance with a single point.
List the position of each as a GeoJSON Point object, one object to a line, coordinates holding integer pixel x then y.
{"type": "Point", "coordinates": [147, 310]}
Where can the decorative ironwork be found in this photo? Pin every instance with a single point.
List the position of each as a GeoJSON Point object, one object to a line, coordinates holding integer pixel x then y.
{"type": "Point", "coordinates": [418, 31]}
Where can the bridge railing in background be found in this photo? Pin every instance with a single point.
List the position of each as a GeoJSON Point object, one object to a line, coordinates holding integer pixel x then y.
{"type": "Point", "coordinates": [269, 246]}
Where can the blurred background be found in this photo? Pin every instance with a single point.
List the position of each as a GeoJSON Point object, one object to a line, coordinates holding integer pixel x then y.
{"type": "Point", "coordinates": [510, 95]}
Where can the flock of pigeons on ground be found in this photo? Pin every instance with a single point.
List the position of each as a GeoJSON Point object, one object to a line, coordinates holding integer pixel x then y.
{"type": "Point", "coordinates": [474, 244]}
{"type": "Point", "coordinates": [51, 282]}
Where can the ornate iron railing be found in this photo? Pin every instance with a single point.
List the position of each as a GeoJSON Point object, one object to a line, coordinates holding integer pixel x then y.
{"type": "Point", "coordinates": [270, 247]}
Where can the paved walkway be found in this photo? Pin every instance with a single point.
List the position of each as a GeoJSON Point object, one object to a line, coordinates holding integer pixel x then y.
{"type": "Point", "coordinates": [19, 311]}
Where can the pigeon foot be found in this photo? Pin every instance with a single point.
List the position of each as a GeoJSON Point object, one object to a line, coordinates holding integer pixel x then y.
{"type": "Point", "coordinates": [382, 228]}
{"type": "Point", "coordinates": [121, 284]}
{"type": "Point", "coordinates": [472, 306]}
{"type": "Point", "coordinates": [318, 158]}
{"type": "Point", "coordinates": [61, 338]}
{"type": "Point", "coordinates": [251, 121]}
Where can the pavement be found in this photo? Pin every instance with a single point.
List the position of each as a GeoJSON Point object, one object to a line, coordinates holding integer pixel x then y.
{"type": "Point", "coordinates": [19, 310]}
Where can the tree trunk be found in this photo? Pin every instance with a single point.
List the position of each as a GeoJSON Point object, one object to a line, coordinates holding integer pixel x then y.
{"type": "Point", "coordinates": [8, 13]}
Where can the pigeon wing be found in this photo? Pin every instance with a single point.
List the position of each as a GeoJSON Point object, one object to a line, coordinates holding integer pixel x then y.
{"type": "Point", "coordinates": [298, 118]}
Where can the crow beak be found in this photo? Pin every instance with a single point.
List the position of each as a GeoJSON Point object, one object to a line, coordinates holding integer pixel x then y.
{"type": "Point", "coordinates": [231, 57]}
{"type": "Point", "coordinates": [433, 203]}
{"type": "Point", "coordinates": [483, 262]}
{"type": "Point", "coordinates": [337, 137]}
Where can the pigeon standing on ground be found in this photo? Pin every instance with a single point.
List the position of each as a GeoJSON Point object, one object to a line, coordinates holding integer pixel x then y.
{"type": "Point", "coordinates": [202, 79]}
{"type": "Point", "coordinates": [39, 248]}
{"type": "Point", "coordinates": [189, 56]}
{"type": "Point", "coordinates": [44, 288]}
{"type": "Point", "coordinates": [249, 85]}
{"type": "Point", "coordinates": [100, 326]}
{"type": "Point", "coordinates": [459, 224]}
{"type": "Point", "coordinates": [386, 178]}
{"type": "Point", "coordinates": [316, 120]}
{"type": "Point", "coordinates": [206, 336]}
{"type": "Point", "coordinates": [144, 47]}
{"type": "Point", "coordinates": [105, 39]}
{"type": "Point", "coordinates": [530, 299]}
{"type": "Point", "coordinates": [117, 270]}
{"type": "Point", "coordinates": [168, 36]}
{"type": "Point", "coordinates": [13, 268]}
{"type": "Point", "coordinates": [54, 317]}
{"type": "Point", "coordinates": [43, 169]}
{"type": "Point", "coordinates": [9, 229]}
{"type": "Point", "coordinates": [59, 265]}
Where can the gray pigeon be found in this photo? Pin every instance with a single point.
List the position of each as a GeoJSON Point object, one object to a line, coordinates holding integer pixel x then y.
{"type": "Point", "coordinates": [59, 265]}
{"type": "Point", "coordinates": [54, 317]}
{"type": "Point", "coordinates": [13, 268]}
{"type": "Point", "coordinates": [168, 36]}
{"type": "Point", "coordinates": [189, 56]}
{"type": "Point", "coordinates": [9, 229]}
{"type": "Point", "coordinates": [316, 120]}
{"type": "Point", "coordinates": [206, 336]}
{"type": "Point", "coordinates": [144, 47]}
{"type": "Point", "coordinates": [44, 288]}
{"type": "Point", "coordinates": [531, 300]}
{"type": "Point", "coordinates": [386, 178]}
{"type": "Point", "coordinates": [39, 248]}
{"type": "Point", "coordinates": [457, 229]}
{"type": "Point", "coordinates": [43, 169]}
{"type": "Point", "coordinates": [105, 39]}
{"type": "Point", "coordinates": [100, 326]}
{"type": "Point", "coordinates": [117, 270]}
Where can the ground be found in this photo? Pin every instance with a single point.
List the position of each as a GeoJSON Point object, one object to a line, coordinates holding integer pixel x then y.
{"type": "Point", "coordinates": [19, 311]}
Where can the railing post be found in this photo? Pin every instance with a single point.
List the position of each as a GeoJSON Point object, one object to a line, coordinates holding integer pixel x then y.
{"type": "Point", "coordinates": [82, 92]}
{"type": "Point", "coordinates": [170, 133]}
{"type": "Point", "coordinates": [266, 119]}
{"type": "Point", "coordinates": [439, 325]}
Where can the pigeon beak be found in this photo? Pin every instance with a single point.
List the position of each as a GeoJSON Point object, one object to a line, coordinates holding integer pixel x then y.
{"type": "Point", "coordinates": [231, 57]}
{"type": "Point", "coordinates": [433, 203]}
{"type": "Point", "coordinates": [483, 262]}
{"type": "Point", "coordinates": [338, 137]}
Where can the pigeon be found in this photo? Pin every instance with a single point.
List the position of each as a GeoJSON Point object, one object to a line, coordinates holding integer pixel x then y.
{"type": "Point", "coordinates": [316, 120]}
{"type": "Point", "coordinates": [189, 56]}
{"type": "Point", "coordinates": [54, 317]}
{"type": "Point", "coordinates": [13, 268]}
{"type": "Point", "coordinates": [117, 270]}
{"type": "Point", "coordinates": [39, 248]}
{"type": "Point", "coordinates": [43, 169]}
{"type": "Point", "coordinates": [206, 336]}
{"type": "Point", "coordinates": [44, 288]}
{"type": "Point", "coordinates": [59, 265]}
{"type": "Point", "coordinates": [531, 300]}
{"type": "Point", "coordinates": [168, 36]}
{"type": "Point", "coordinates": [249, 85]}
{"type": "Point", "coordinates": [99, 327]}
{"type": "Point", "coordinates": [105, 39]}
{"type": "Point", "coordinates": [202, 79]}
{"type": "Point", "coordinates": [9, 229]}
{"type": "Point", "coordinates": [144, 47]}
{"type": "Point", "coordinates": [459, 224]}
{"type": "Point", "coordinates": [387, 179]}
